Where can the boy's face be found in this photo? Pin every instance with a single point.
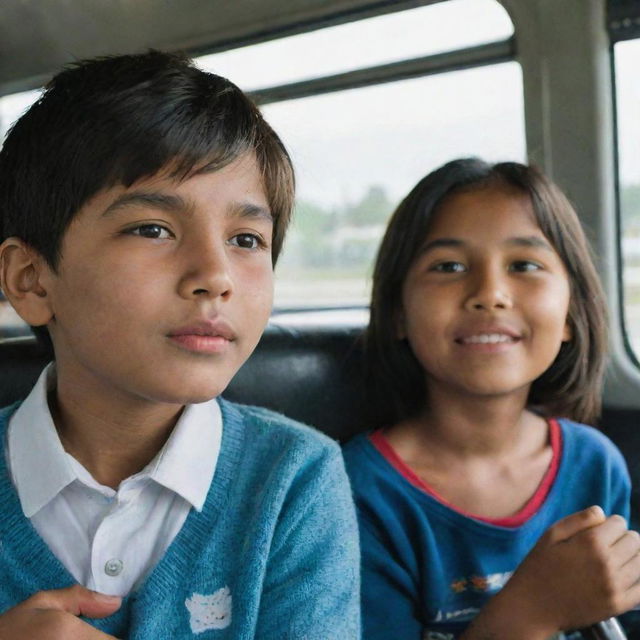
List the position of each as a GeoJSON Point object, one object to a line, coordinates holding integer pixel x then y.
{"type": "Point", "coordinates": [164, 288]}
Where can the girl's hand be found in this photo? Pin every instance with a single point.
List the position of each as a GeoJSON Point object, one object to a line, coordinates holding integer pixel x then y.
{"type": "Point", "coordinates": [586, 568]}
{"type": "Point", "coordinates": [52, 615]}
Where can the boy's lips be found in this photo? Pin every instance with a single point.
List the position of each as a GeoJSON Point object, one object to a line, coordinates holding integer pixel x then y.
{"type": "Point", "coordinates": [204, 337]}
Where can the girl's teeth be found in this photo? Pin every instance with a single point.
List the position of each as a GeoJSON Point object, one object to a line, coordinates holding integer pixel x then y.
{"type": "Point", "coordinates": [489, 338]}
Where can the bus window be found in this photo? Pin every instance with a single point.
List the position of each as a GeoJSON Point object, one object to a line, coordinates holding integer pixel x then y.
{"type": "Point", "coordinates": [11, 108]}
{"type": "Point", "coordinates": [352, 176]}
{"type": "Point", "coordinates": [628, 108]}
{"type": "Point", "coordinates": [422, 31]}
{"type": "Point", "coordinates": [363, 135]}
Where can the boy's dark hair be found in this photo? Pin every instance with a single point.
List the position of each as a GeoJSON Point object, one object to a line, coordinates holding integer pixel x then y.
{"type": "Point", "coordinates": [117, 119]}
{"type": "Point", "coordinates": [573, 383]}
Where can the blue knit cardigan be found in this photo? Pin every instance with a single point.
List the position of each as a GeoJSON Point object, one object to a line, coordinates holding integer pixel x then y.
{"type": "Point", "coordinates": [273, 554]}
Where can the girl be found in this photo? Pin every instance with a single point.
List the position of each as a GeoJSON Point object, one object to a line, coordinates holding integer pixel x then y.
{"type": "Point", "coordinates": [486, 342]}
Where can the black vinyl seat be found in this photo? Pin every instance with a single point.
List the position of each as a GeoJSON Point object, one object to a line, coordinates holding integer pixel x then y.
{"type": "Point", "coordinates": [311, 373]}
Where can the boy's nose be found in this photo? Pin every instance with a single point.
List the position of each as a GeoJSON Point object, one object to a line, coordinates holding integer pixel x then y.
{"type": "Point", "coordinates": [207, 274]}
{"type": "Point", "coordinates": [489, 291]}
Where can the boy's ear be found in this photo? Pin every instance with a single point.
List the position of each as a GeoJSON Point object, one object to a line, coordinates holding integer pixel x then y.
{"type": "Point", "coordinates": [21, 275]}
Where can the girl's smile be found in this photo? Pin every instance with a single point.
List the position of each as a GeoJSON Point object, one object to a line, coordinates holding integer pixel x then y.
{"type": "Point", "coordinates": [484, 306]}
{"type": "Point", "coordinates": [488, 339]}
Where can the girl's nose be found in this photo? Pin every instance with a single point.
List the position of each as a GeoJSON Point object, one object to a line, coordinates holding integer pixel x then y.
{"type": "Point", "coordinates": [488, 291]}
{"type": "Point", "coordinates": [206, 272]}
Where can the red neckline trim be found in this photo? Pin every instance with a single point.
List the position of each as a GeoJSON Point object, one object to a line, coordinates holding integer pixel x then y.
{"type": "Point", "coordinates": [381, 443]}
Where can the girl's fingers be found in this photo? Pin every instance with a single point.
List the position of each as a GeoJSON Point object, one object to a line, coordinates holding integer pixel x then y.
{"type": "Point", "coordinates": [629, 575]}
{"type": "Point", "coordinates": [606, 533]}
{"type": "Point", "coordinates": [625, 548]}
{"type": "Point", "coordinates": [575, 523]}
{"type": "Point", "coordinates": [632, 595]}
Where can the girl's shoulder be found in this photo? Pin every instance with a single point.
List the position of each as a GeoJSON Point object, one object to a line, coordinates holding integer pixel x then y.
{"type": "Point", "coordinates": [359, 451]}
{"type": "Point", "coordinates": [588, 443]}
{"type": "Point", "coordinates": [362, 461]}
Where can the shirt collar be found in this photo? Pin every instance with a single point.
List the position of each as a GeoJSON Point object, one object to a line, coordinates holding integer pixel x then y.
{"type": "Point", "coordinates": [37, 460]}
{"type": "Point", "coordinates": [41, 468]}
{"type": "Point", "coordinates": [188, 460]}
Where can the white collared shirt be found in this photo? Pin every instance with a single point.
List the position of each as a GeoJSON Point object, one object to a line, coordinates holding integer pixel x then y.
{"type": "Point", "coordinates": [109, 540]}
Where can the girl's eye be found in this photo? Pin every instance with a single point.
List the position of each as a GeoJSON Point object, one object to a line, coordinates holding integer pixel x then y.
{"type": "Point", "coordinates": [523, 266]}
{"type": "Point", "coordinates": [153, 231]}
{"type": "Point", "coordinates": [247, 241]}
{"type": "Point", "coordinates": [449, 267]}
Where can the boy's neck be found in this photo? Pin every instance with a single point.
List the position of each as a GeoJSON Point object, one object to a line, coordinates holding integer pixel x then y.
{"type": "Point", "coordinates": [113, 441]}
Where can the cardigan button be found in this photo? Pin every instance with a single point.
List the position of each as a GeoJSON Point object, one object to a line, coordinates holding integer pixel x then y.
{"type": "Point", "coordinates": [113, 567]}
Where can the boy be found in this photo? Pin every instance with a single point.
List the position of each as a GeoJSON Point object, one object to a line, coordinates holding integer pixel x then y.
{"type": "Point", "coordinates": [143, 205]}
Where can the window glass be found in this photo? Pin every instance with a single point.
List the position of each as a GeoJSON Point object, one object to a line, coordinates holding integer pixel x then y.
{"type": "Point", "coordinates": [11, 108]}
{"type": "Point", "coordinates": [444, 26]}
{"type": "Point", "coordinates": [628, 108]}
{"type": "Point", "coordinates": [358, 152]}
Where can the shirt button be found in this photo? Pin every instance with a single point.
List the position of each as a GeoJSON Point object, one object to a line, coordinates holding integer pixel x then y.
{"type": "Point", "coordinates": [113, 567]}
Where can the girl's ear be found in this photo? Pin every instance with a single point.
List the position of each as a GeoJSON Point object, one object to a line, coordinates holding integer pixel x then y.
{"type": "Point", "coordinates": [21, 275]}
{"type": "Point", "coordinates": [567, 334]}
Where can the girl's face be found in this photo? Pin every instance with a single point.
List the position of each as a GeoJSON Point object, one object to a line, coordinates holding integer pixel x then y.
{"type": "Point", "coordinates": [485, 304]}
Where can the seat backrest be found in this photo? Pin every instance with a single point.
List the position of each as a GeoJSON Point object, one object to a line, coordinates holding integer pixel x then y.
{"type": "Point", "coordinates": [312, 374]}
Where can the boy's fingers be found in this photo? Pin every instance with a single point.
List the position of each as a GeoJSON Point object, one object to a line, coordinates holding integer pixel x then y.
{"type": "Point", "coordinates": [76, 600]}
{"type": "Point", "coordinates": [576, 522]}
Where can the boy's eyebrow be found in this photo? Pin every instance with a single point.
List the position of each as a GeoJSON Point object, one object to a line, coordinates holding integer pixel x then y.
{"type": "Point", "coordinates": [174, 203]}
{"type": "Point", "coordinates": [155, 200]}
{"type": "Point", "coordinates": [535, 242]}
{"type": "Point", "coordinates": [250, 210]}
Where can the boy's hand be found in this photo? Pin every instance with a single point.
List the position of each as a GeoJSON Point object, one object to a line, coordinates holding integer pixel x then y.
{"type": "Point", "coordinates": [586, 568]}
{"type": "Point", "coordinates": [52, 615]}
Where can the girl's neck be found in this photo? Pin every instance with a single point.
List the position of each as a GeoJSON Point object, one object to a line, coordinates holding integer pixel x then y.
{"type": "Point", "coordinates": [485, 456]}
{"type": "Point", "coordinates": [471, 427]}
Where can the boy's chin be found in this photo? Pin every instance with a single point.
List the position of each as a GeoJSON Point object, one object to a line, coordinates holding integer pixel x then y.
{"type": "Point", "coordinates": [195, 396]}
{"type": "Point", "coordinates": [185, 391]}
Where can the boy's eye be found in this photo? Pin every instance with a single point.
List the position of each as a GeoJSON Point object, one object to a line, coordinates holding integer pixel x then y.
{"type": "Point", "coordinates": [449, 267]}
{"type": "Point", "coordinates": [154, 231]}
{"type": "Point", "coordinates": [524, 266]}
{"type": "Point", "coordinates": [247, 241]}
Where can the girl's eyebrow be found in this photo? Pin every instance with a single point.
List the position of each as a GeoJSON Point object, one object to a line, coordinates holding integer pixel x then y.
{"type": "Point", "coordinates": [441, 242]}
{"type": "Point", "coordinates": [535, 242]}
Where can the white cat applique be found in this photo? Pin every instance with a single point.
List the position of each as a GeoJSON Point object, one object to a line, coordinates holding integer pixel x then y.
{"type": "Point", "coordinates": [209, 611]}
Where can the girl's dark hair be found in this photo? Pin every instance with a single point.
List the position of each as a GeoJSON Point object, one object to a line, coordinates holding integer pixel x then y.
{"type": "Point", "coordinates": [118, 119]}
{"type": "Point", "coordinates": [572, 385]}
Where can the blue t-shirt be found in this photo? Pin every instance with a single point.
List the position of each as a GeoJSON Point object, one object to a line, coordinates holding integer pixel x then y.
{"type": "Point", "coordinates": [427, 569]}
